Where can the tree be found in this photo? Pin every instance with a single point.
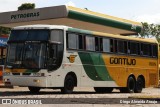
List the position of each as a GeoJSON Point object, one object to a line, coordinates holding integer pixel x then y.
{"type": "Point", "coordinates": [4, 30]}
{"type": "Point", "coordinates": [26, 6]}
{"type": "Point", "coordinates": [151, 30]}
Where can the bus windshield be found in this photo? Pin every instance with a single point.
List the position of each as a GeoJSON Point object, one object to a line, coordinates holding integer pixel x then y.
{"type": "Point", "coordinates": [35, 49]}
{"type": "Point", "coordinates": [26, 55]}
{"type": "Point", "coordinates": [27, 48]}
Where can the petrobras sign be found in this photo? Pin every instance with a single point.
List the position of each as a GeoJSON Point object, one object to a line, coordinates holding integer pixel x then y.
{"type": "Point", "coordinates": [3, 41]}
{"type": "Point", "coordinates": [25, 15]}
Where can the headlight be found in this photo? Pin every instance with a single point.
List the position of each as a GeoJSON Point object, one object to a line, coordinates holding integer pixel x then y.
{"type": "Point", "coordinates": [5, 80]}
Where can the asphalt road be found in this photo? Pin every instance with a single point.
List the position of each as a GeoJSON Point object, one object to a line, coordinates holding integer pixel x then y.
{"type": "Point", "coordinates": [82, 97]}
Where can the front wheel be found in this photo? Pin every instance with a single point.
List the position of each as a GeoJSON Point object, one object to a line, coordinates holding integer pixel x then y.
{"type": "Point", "coordinates": [34, 89]}
{"type": "Point", "coordinates": [68, 85]}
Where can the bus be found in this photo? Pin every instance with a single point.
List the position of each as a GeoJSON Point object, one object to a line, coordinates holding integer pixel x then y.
{"type": "Point", "coordinates": [62, 57]}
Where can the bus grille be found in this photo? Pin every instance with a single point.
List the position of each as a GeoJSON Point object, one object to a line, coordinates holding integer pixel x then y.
{"type": "Point", "coordinates": [21, 73]}
{"type": "Point", "coordinates": [26, 73]}
{"type": "Point", "coordinates": [15, 73]}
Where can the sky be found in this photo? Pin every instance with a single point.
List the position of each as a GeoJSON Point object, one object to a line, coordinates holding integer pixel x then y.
{"type": "Point", "coordinates": [136, 10]}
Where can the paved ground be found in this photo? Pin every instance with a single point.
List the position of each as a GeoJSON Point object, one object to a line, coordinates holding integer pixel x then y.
{"type": "Point", "coordinates": [81, 96]}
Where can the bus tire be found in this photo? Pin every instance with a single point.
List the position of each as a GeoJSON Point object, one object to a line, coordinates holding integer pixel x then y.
{"type": "Point", "coordinates": [34, 89]}
{"type": "Point", "coordinates": [68, 85]}
{"type": "Point", "coordinates": [139, 85]}
{"type": "Point", "coordinates": [103, 89]}
{"type": "Point", "coordinates": [130, 86]}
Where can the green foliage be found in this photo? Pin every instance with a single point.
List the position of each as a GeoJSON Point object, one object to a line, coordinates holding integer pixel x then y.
{"type": "Point", "coordinates": [26, 6]}
{"type": "Point", "coordinates": [4, 30]}
{"type": "Point", "coordinates": [151, 30]}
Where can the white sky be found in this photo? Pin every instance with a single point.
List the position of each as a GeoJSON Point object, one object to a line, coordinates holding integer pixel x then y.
{"type": "Point", "coordinates": [138, 10]}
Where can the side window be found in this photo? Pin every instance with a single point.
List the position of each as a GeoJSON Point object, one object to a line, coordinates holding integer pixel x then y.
{"type": "Point", "coordinates": [154, 51]}
{"type": "Point", "coordinates": [90, 43]}
{"type": "Point", "coordinates": [52, 51]}
{"type": "Point", "coordinates": [150, 50]}
{"type": "Point", "coordinates": [55, 56]}
{"type": "Point", "coordinates": [57, 36]}
{"type": "Point", "coordinates": [115, 46]}
{"type": "Point", "coordinates": [145, 49]}
{"type": "Point", "coordinates": [111, 45]}
{"type": "Point", "coordinates": [72, 41]}
{"type": "Point", "coordinates": [133, 48]}
{"type": "Point", "coordinates": [106, 45]}
{"type": "Point", "coordinates": [139, 49]}
{"type": "Point", "coordinates": [81, 42]}
{"type": "Point", "coordinates": [101, 44]}
{"type": "Point", "coordinates": [122, 46]}
{"type": "Point", "coordinates": [125, 47]}
{"type": "Point", "coordinates": [97, 44]}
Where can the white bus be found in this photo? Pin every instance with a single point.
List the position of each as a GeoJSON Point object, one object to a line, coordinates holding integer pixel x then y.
{"type": "Point", "coordinates": [50, 56]}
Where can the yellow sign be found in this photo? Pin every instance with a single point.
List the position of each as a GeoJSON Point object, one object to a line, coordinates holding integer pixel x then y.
{"type": "Point", "coordinates": [71, 58]}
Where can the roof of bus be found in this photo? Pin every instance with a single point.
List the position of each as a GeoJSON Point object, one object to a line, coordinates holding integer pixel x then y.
{"type": "Point", "coordinates": [89, 32]}
{"type": "Point", "coordinates": [41, 26]}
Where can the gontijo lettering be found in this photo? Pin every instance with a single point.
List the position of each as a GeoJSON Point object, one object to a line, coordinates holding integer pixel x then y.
{"type": "Point", "coordinates": [122, 61]}
{"type": "Point", "coordinates": [25, 15]}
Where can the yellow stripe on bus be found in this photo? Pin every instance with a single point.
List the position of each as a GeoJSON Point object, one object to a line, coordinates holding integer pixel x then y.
{"type": "Point", "coordinates": [120, 67]}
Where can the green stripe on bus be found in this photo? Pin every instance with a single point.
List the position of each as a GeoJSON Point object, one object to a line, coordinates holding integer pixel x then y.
{"type": "Point", "coordinates": [102, 70]}
{"type": "Point", "coordinates": [103, 21]}
{"type": "Point", "coordinates": [94, 66]}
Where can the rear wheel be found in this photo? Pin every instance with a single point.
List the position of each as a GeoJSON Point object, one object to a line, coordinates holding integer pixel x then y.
{"type": "Point", "coordinates": [68, 85]}
{"type": "Point", "coordinates": [130, 86]}
{"type": "Point", "coordinates": [103, 89]}
{"type": "Point", "coordinates": [34, 89]}
{"type": "Point", "coordinates": [139, 85]}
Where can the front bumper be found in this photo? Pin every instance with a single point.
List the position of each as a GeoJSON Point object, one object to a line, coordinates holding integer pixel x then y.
{"type": "Point", "coordinates": [25, 81]}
